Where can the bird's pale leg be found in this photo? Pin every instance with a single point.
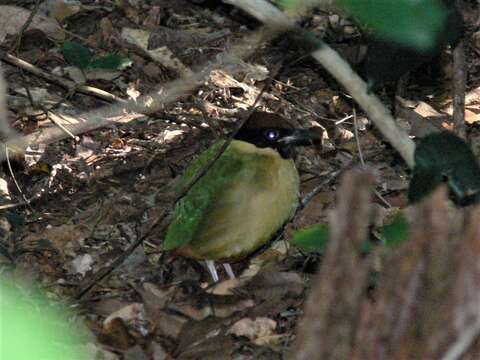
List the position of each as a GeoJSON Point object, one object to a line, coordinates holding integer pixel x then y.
{"type": "Point", "coordinates": [229, 271]}
{"type": "Point", "coordinates": [211, 268]}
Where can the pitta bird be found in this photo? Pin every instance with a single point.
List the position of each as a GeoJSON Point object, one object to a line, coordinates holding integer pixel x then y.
{"type": "Point", "coordinates": [244, 198]}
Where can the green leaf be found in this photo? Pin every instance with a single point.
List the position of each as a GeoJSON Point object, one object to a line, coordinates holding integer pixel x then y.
{"type": "Point", "coordinates": [110, 62]}
{"type": "Point", "coordinates": [444, 157]}
{"type": "Point", "coordinates": [287, 4]}
{"type": "Point", "coordinates": [414, 23]}
{"type": "Point", "coordinates": [76, 54]}
{"type": "Point", "coordinates": [314, 238]}
{"type": "Point", "coordinates": [31, 328]}
{"type": "Point", "coordinates": [395, 233]}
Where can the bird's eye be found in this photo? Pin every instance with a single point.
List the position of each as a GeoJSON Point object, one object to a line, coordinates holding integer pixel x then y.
{"type": "Point", "coordinates": [272, 134]}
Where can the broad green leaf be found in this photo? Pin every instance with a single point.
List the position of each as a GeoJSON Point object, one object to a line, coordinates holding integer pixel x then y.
{"type": "Point", "coordinates": [109, 62]}
{"type": "Point", "coordinates": [31, 329]}
{"type": "Point", "coordinates": [314, 238]}
{"type": "Point", "coordinates": [444, 157]}
{"type": "Point", "coordinates": [410, 22]}
{"type": "Point", "coordinates": [294, 4]}
{"type": "Point", "coordinates": [395, 233]}
{"type": "Point", "coordinates": [76, 54]}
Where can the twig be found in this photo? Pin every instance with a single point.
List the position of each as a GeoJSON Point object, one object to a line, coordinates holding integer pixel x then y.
{"type": "Point", "coordinates": [308, 197]}
{"type": "Point", "coordinates": [357, 137]}
{"type": "Point", "coordinates": [348, 117]}
{"type": "Point", "coordinates": [208, 107]}
{"type": "Point", "coordinates": [104, 272]}
{"type": "Point", "coordinates": [459, 79]}
{"type": "Point", "coordinates": [5, 130]}
{"type": "Point", "coordinates": [67, 84]}
{"type": "Point", "coordinates": [52, 117]}
{"type": "Point", "coordinates": [25, 26]}
{"type": "Point", "coordinates": [12, 174]}
{"type": "Point", "coordinates": [10, 206]}
{"type": "Point", "coordinates": [468, 335]}
{"type": "Point", "coordinates": [362, 161]}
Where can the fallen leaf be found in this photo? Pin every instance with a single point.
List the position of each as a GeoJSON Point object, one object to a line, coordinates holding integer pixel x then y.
{"type": "Point", "coordinates": [128, 313]}
{"type": "Point", "coordinates": [274, 284]}
{"type": "Point", "coordinates": [253, 329]}
{"type": "Point", "coordinates": [12, 19]}
{"type": "Point", "coordinates": [116, 335]}
{"type": "Point", "coordinates": [81, 264]}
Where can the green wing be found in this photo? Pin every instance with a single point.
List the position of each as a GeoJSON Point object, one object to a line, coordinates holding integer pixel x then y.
{"type": "Point", "coordinates": [191, 208]}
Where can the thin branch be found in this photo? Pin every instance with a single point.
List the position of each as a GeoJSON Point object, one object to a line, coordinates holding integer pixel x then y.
{"type": "Point", "coordinates": [459, 80]}
{"type": "Point", "coordinates": [467, 337]}
{"type": "Point", "coordinates": [25, 26]}
{"type": "Point", "coordinates": [360, 155]}
{"type": "Point", "coordinates": [105, 271]}
{"type": "Point", "coordinates": [65, 83]}
{"type": "Point", "coordinates": [12, 174]}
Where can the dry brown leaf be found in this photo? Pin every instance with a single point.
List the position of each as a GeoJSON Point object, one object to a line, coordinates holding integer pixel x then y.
{"type": "Point", "coordinates": [61, 9]}
{"type": "Point", "coordinates": [116, 335]}
{"type": "Point", "coordinates": [131, 312]}
{"type": "Point", "coordinates": [471, 117]}
{"type": "Point", "coordinates": [255, 329]}
{"type": "Point", "coordinates": [426, 110]}
{"type": "Point", "coordinates": [12, 19]}
{"type": "Point", "coordinates": [206, 335]}
{"type": "Point", "coordinates": [272, 283]}
{"type": "Point", "coordinates": [63, 237]}
{"type": "Point", "coordinates": [270, 257]}
{"type": "Point", "coordinates": [135, 353]}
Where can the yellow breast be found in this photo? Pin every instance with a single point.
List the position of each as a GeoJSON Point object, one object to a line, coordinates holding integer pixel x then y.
{"type": "Point", "coordinates": [246, 216]}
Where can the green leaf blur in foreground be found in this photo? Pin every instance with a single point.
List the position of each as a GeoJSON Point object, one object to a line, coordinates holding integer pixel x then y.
{"type": "Point", "coordinates": [79, 56]}
{"type": "Point", "coordinates": [409, 22]}
{"type": "Point", "coordinates": [396, 232]}
{"type": "Point", "coordinates": [294, 4]}
{"type": "Point", "coordinates": [31, 329]}
{"type": "Point", "coordinates": [314, 238]}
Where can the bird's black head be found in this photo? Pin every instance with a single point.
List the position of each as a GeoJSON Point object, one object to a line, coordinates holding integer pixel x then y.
{"type": "Point", "coordinates": [273, 131]}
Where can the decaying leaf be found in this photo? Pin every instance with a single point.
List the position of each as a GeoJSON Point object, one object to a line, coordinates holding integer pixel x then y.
{"type": "Point", "coordinates": [259, 330]}
{"type": "Point", "coordinates": [12, 19]}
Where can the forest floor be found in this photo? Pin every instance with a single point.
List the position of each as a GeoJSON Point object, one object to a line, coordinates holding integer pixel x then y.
{"type": "Point", "coordinates": [88, 220]}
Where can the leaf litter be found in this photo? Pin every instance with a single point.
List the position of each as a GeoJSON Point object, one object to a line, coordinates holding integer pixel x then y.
{"type": "Point", "coordinates": [101, 192]}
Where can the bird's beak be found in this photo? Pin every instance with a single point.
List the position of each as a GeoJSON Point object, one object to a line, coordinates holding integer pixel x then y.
{"type": "Point", "coordinates": [303, 137]}
{"type": "Point", "coordinates": [299, 137]}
